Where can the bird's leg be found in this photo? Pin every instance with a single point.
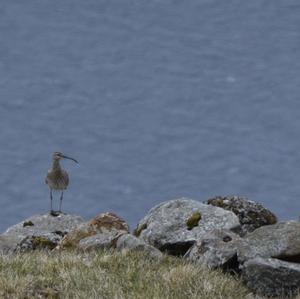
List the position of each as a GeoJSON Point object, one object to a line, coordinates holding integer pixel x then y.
{"type": "Point", "coordinates": [51, 198]}
{"type": "Point", "coordinates": [60, 202]}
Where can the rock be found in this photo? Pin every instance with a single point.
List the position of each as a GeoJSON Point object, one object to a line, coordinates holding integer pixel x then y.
{"type": "Point", "coordinates": [169, 227]}
{"type": "Point", "coordinates": [281, 241]}
{"type": "Point", "coordinates": [215, 249]}
{"type": "Point", "coordinates": [251, 214]}
{"type": "Point", "coordinates": [272, 277]}
{"type": "Point", "coordinates": [269, 258]}
{"type": "Point", "coordinates": [108, 224]}
{"type": "Point", "coordinates": [105, 240]}
{"type": "Point", "coordinates": [44, 224]}
{"type": "Point", "coordinates": [132, 243]}
{"type": "Point", "coordinates": [7, 244]}
{"type": "Point", "coordinates": [37, 232]}
{"type": "Point", "coordinates": [46, 241]}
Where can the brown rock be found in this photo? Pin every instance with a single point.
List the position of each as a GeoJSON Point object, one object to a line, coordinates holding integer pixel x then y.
{"type": "Point", "coordinates": [109, 221]}
{"type": "Point", "coordinates": [103, 223]}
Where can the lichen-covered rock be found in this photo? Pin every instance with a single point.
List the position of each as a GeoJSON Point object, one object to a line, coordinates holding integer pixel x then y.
{"type": "Point", "coordinates": [39, 231]}
{"type": "Point", "coordinates": [167, 226]}
{"type": "Point", "coordinates": [132, 243]}
{"type": "Point", "coordinates": [216, 249]}
{"type": "Point", "coordinates": [105, 223]}
{"type": "Point", "coordinates": [280, 240]}
{"type": "Point", "coordinates": [44, 224]}
{"type": "Point", "coordinates": [251, 214]}
{"type": "Point", "coordinates": [272, 277]}
{"type": "Point", "coordinates": [46, 241]}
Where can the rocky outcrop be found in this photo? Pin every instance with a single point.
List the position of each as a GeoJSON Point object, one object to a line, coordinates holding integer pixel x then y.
{"type": "Point", "coordinates": [251, 214]}
{"type": "Point", "coordinates": [96, 233]}
{"type": "Point", "coordinates": [272, 277]}
{"type": "Point", "coordinates": [216, 249]}
{"type": "Point", "coordinates": [174, 226]}
{"type": "Point", "coordinates": [132, 243]}
{"type": "Point", "coordinates": [38, 231]}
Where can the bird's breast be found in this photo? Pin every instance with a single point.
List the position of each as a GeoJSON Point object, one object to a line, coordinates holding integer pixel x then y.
{"type": "Point", "coordinates": [57, 179]}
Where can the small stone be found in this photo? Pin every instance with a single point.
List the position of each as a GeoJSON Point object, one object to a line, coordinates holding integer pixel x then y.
{"type": "Point", "coordinates": [104, 240]}
{"type": "Point", "coordinates": [132, 243]}
{"type": "Point", "coordinates": [28, 223]}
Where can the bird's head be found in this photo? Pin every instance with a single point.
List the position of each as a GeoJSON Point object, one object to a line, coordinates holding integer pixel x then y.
{"type": "Point", "coordinates": [58, 155]}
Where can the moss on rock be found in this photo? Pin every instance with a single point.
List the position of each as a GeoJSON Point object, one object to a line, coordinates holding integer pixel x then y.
{"type": "Point", "coordinates": [139, 229]}
{"type": "Point", "coordinates": [193, 220]}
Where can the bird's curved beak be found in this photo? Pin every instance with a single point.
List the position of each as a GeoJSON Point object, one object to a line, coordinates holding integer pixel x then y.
{"type": "Point", "coordinates": [66, 157]}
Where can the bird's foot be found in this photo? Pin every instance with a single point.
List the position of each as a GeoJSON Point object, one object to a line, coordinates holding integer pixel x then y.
{"type": "Point", "coordinates": [54, 213]}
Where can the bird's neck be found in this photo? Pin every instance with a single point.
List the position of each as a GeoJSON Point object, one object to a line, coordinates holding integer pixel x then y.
{"type": "Point", "coordinates": [56, 165]}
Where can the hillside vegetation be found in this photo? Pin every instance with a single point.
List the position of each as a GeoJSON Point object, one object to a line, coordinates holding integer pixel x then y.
{"type": "Point", "coordinates": [106, 274]}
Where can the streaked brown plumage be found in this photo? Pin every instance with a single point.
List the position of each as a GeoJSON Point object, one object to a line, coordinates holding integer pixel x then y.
{"type": "Point", "coordinates": [57, 178]}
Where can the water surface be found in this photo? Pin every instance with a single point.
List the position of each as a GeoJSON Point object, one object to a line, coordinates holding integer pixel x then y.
{"type": "Point", "coordinates": [156, 99]}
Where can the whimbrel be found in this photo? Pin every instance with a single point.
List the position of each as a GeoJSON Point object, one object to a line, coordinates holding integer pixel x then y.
{"type": "Point", "coordinates": [57, 178]}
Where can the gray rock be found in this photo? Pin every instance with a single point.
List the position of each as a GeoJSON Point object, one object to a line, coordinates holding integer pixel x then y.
{"type": "Point", "coordinates": [175, 225]}
{"type": "Point", "coordinates": [105, 240]}
{"type": "Point", "coordinates": [7, 244]}
{"type": "Point", "coordinates": [38, 231]}
{"type": "Point", "coordinates": [271, 277]}
{"type": "Point", "coordinates": [130, 242]}
{"type": "Point", "coordinates": [43, 224]}
{"type": "Point", "coordinates": [251, 214]}
{"type": "Point", "coordinates": [215, 249]}
{"type": "Point", "coordinates": [281, 241]}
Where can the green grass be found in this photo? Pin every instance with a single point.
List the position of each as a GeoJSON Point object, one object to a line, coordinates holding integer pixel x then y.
{"type": "Point", "coordinates": [111, 275]}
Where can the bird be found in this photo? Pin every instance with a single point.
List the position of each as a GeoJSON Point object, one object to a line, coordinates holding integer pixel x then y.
{"type": "Point", "coordinates": [57, 178]}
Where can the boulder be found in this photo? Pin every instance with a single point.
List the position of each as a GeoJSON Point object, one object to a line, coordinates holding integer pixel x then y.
{"type": "Point", "coordinates": [132, 243]}
{"type": "Point", "coordinates": [280, 240]}
{"type": "Point", "coordinates": [251, 214]}
{"type": "Point", "coordinates": [102, 228]}
{"type": "Point", "coordinates": [39, 231]}
{"type": "Point", "coordinates": [269, 259]}
{"type": "Point", "coordinates": [216, 249]}
{"type": "Point", "coordinates": [272, 277]}
{"type": "Point", "coordinates": [174, 226]}
{"type": "Point", "coordinates": [43, 224]}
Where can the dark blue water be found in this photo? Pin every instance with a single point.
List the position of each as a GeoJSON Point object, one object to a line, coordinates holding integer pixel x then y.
{"type": "Point", "coordinates": [156, 99]}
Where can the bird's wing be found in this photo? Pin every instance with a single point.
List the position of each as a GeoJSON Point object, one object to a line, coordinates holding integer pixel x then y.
{"type": "Point", "coordinates": [66, 177]}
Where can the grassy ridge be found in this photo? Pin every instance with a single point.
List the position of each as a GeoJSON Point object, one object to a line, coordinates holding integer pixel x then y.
{"type": "Point", "coordinates": [111, 275]}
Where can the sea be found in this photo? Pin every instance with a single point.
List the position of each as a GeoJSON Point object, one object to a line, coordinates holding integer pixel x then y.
{"type": "Point", "coordinates": [156, 99]}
